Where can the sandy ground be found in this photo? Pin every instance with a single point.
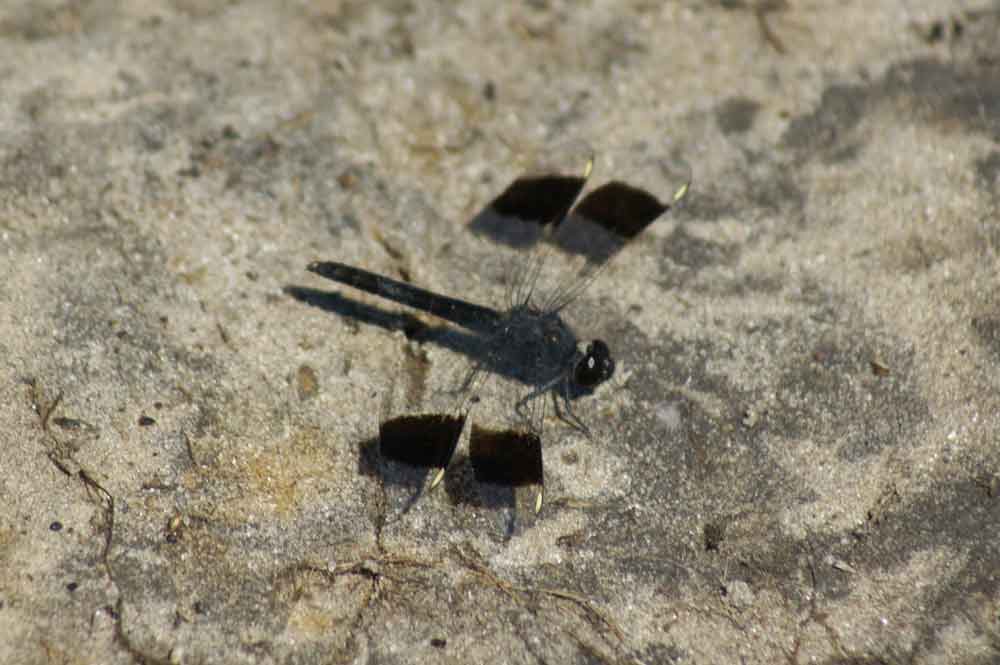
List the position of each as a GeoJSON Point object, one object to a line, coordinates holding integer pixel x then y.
{"type": "Point", "coordinates": [797, 460]}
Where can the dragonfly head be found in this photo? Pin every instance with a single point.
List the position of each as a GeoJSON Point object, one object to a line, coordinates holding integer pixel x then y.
{"type": "Point", "coordinates": [595, 367]}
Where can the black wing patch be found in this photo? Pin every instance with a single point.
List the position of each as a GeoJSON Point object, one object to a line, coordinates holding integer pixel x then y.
{"type": "Point", "coordinates": [529, 206]}
{"type": "Point", "coordinates": [606, 220]}
{"type": "Point", "coordinates": [506, 457]}
{"type": "Point", "coordinates": [424, 440]}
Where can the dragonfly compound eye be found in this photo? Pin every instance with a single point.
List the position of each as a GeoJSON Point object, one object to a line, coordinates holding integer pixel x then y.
{"type": "Point", "coordinates": [596, 366]}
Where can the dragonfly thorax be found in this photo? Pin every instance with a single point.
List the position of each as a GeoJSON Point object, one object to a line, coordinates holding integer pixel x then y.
{"type": "Point", "coordinates": [538, 346]}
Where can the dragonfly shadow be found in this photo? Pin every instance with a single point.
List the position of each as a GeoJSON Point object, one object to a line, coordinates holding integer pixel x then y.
{"type": "Point", "coordinates": [408, 480]}
{"type": "Point", "coordinates": [498, 502]}
{"type": "Point", "coordinates": [462, 488]}
{"type": "Point", "coordinates": [468, 344]}
{"type": "Point", "coordinates": [474, 346]}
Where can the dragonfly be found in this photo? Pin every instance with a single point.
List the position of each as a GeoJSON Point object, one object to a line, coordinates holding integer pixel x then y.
{"type": "Point", "coordinates": [527, 340]}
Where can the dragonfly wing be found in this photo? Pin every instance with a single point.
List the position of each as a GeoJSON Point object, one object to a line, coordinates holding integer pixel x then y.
{"type": "Point", "coordinates": [426, 440]}
{"type": "Point", "coordinates": [511, 458]}
{"type": "Point", "coordinates": [607, 219]}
